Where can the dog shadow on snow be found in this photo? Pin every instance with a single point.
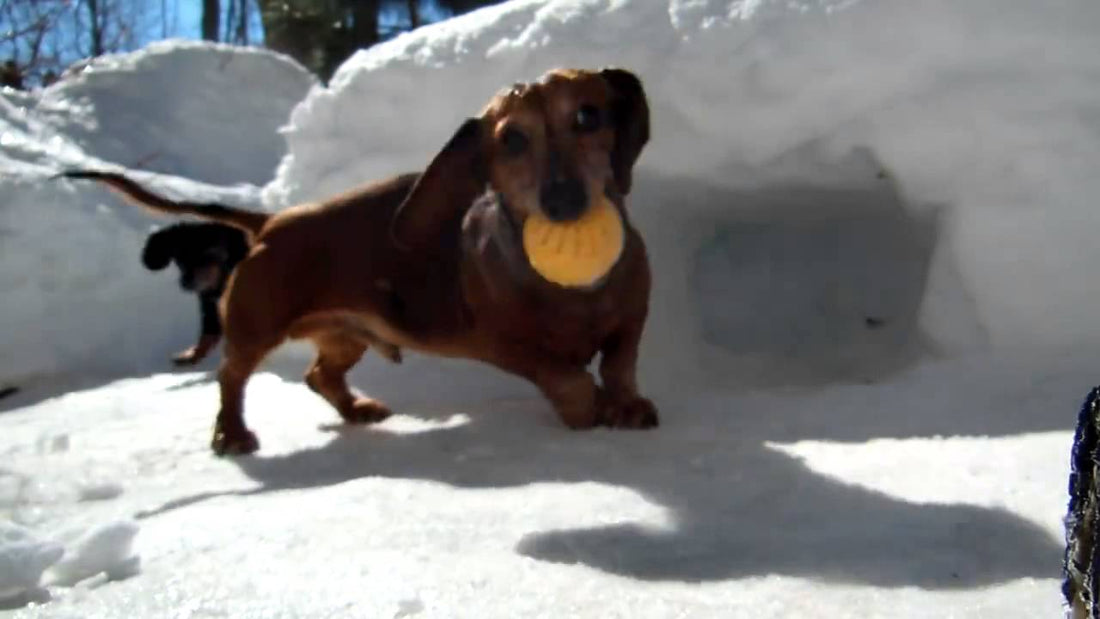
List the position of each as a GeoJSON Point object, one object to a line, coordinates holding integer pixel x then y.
{"type": "Point", "coordinates": [736, 506]}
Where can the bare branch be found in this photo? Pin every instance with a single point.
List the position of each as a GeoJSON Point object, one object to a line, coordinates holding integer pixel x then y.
{"type": "Point", "coordinates": [44, 36]}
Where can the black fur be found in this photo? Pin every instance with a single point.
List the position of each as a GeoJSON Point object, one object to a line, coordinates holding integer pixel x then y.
{"type": "Point", "coordinates": [196, 248]}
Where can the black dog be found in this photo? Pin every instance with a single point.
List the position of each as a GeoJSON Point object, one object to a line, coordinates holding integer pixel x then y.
{"type": "Point", "coordinates": [205, 254]}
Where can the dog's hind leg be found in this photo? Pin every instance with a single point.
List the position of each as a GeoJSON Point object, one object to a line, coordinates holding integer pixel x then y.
{"type": "Point", "coordinates": [244, 350]}
{"type": "Point", "coordinates": [231, 435]}
{"type": "Point", "coordinates": [336, 354]}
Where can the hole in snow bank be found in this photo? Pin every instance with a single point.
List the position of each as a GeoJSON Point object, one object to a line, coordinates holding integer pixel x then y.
{"type": "Point", "coordinates": [815, 284]}
{"type": "Point", "coordinates": [802, 273]}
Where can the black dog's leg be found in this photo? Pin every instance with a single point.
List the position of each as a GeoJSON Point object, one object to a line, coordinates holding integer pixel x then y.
{"type": "Point", "coordinates": [209, 335]}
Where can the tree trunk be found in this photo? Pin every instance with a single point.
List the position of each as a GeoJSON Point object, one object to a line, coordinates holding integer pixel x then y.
{"type": "Point", "coordinates": [230, 20]}
{"type": "Point", "coordinates": [211, 15]}
{"type": "Point", "coordinates": [242, 23]}
{"type": "Point", "coordinates": [291, 30]}
{"type": "Point", "coordinates": [414, 15]}
{"type": "Point", "coordinates": [95, 28]}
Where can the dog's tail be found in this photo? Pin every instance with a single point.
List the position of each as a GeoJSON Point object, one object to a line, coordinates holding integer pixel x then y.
{"type": "Point", "coordinates": [249, 221]}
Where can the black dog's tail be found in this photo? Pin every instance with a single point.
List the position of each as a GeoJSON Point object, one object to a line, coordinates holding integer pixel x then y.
{"type": "Point", "coordinates": [249, 221]}
{"type": "Point", "coordinates": [1081, 564]}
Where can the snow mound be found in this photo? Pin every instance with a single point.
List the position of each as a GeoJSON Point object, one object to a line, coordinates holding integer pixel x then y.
{"type": "Point", "coordinates": [104, 550]}
{"type": "Point", "coordinates": [23, 559]}
{"type": "Point", "coordinates": [207, 112]}
{"type": "Point", "coordinates": [833, 187]}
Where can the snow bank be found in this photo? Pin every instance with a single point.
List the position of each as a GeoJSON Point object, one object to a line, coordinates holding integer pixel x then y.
{"type": "Point", "coordinates": [76, 297]}
{"type": "Point", "coordinates": [832, 187]}
{"type": "Point", "coordinates": [203, 111]}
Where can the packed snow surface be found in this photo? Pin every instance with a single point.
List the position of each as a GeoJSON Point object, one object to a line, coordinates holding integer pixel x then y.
{"type": "Point", "coordinates": [938, 494]}
{"type": "Point", "coordinates": [870, 223]}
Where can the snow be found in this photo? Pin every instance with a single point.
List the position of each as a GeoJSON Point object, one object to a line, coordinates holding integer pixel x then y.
{"type": "Point", "coordinates": [23, 558]}
{"type": "Point", "coordinates": [872, 326]}
{"type": "Point", "coordinates": [208, 113]}
{"type": "Point", "coordinates": [70, 253]}
{"type": "Point", "coordinates": [105, 549]}
{"type": "Point", "coordinates": [981, 112]}
{"type": "Point", "coordinates": [938, 494]}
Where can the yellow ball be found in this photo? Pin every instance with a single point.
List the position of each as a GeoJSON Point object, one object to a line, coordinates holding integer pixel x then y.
{"type": "Point", "coordinates": [575, 253]}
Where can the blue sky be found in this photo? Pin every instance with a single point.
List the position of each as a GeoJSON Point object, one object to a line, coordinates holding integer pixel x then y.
{"type": "Point", "coordinates": [188, 14]}
{"type": "Point", "coordinates": [158, 19]}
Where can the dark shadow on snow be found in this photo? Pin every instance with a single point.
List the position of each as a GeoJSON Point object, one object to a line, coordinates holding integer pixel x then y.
{"type": "Point", "coordinates": [737, 508]}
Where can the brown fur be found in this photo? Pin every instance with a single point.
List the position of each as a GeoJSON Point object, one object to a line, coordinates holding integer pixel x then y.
{"type": "Point", "coordinates": [432, 262]}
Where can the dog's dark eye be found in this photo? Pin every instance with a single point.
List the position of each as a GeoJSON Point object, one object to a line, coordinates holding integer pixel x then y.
{"type": "Point", "coordinates": [514, 141]}
{"type": "Point", "coordinates": [588, 119]}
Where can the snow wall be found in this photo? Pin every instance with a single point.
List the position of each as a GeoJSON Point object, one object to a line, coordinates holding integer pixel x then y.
{"type": "Point", "coordinates": [76, 299]}
{"type": "Point", "coordinates": [833, 189]}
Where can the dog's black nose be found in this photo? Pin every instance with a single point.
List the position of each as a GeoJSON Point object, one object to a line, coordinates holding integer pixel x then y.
{"type": "Point", "coordinates": [563, 199]}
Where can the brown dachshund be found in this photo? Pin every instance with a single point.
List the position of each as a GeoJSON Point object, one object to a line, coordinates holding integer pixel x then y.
{"type": "Point", "coordinates": [433, 262]}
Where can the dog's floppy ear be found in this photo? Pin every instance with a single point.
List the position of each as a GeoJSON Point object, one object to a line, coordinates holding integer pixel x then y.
{"type": "Point", "coordinates": [630, 114]}
{"type": "Point", "coordinates": [159, 249]}
{"type": "Point", "coordinates": [454, 178]}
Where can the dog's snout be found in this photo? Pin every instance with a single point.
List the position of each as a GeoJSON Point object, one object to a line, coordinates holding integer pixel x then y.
{"type": "Point", "coordinates": [563, 199]}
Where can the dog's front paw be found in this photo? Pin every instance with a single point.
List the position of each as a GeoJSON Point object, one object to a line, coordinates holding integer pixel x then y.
{"type": "Point", "coordinates": [635, 413]}
{"type": "Point", "coordinates": [238, 443]}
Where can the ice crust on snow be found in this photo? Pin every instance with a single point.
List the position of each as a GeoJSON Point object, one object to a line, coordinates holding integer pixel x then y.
{"type": "Point", "coordinates": [23, 559]}
{"type": "Point", "coordinates": [106, 549]}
